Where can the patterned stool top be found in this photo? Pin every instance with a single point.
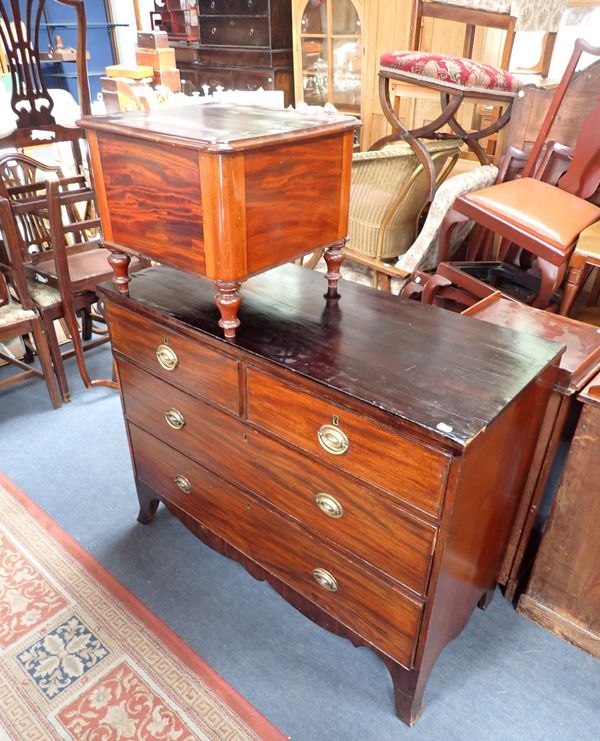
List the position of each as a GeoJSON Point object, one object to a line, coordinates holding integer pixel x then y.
{"type": "Point", "coordinates": [451, 72]}
{"type": "Point", "coordinates": [589, 242]}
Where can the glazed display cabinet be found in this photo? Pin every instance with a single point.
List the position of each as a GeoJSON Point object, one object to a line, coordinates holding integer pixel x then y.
{"type": "Point", "coordinates": [328, 53]}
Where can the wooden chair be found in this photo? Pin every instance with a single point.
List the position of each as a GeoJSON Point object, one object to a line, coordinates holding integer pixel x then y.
{"type": "Point", "coordinates": [473, 14]}
{"type": "Point", "coordinates": [31, 103]}
{"type": "Point", "coordinates": [540, 218]}
{"type": "Point", "coordinates": [18, 317]}
{"type": "Point", "coordinates": [52, 230]}
{"type": "Point", "coordinates": [510, 15]}
{"type": "Point", "coordinates": [460, 79]}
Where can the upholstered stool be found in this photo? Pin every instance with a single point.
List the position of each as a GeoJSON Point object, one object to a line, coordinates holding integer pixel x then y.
{"type": "Point", "coordinates": [585, 257]}
{"type": "Point", "coordinates": [456, 79]}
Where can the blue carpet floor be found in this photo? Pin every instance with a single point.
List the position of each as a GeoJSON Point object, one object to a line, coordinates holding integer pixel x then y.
{"type": "Point", "coordinates": [503, 678]}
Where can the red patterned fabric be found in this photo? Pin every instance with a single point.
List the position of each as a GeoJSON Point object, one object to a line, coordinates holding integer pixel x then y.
{"type": "Point", "coordinates": [451, 71]}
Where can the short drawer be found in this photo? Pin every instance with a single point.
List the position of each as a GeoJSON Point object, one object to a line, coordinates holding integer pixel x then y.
{"type": "Point", "coordinates": [345, 439]}
{"type": "Point", "coordinates": [350, 592]}
{"type": "Point", "coordinates": [182, 362]}
{"type": "Point", "coordinates": [234, 7]}
{"type": "Point", "coordinates": [234, 31]}
{"type": "Point", "coordinates": [330, 503]}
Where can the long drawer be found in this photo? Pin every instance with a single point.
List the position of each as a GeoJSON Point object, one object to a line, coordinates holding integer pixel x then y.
{"type": "Point", "coordinates": [351, 593]}
{"type": "Point", "coordinates": [346, 439]}
{"type": "Point", "coordinates": [332, 504]}
{"type": "Point", "coordinates": [234, 31]}
{"type": "Point", "coordinates": [182, 362]}
{"type": "Point", "coordinates": [234, 7]}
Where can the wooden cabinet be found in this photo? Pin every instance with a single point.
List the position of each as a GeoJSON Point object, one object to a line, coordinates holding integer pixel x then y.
{"type": "Point", "coordinates": [329, 53]}
{"type": "Point", "coordinates": [563, 593]}
{"type": "Point", "coordinates": [243, 45]}
{"type": "Point", "coordinates": [222, 191]}
{"type": "Point", "coordinates": [365, 456]}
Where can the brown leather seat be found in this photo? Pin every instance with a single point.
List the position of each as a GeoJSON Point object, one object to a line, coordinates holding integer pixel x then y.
{"type": "Point", "coordinates": [542, 210]}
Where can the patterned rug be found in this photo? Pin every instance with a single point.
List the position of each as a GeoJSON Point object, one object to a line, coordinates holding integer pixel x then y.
{"type": "Point", "coordinates": [82, 658]}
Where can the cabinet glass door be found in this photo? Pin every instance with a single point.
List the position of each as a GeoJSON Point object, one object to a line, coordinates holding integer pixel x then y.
{"type": "Point", "coordinates": [331, 54]}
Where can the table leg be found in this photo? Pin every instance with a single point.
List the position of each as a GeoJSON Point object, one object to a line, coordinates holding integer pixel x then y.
{"type": "Point", "coordinates": [228, 301]}
{"type": "Point", "coordinates": [334, 257]}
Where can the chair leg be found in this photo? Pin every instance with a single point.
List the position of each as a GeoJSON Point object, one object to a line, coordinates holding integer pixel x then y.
{"type": "Point", "coordinates": [86, 324]}
{"type": "Point", "coordinates": [573, 283]}
{"type": "Point", "coordinates": [57, 358]}
{"type": "Point", "coordinates": [452, 219]}
{"type": "Point", "coordinates": [46, 364]}
{"type": "Point", "coordinates": [78, 348]}
{"type": "Point", "coordinates": [552, 276]}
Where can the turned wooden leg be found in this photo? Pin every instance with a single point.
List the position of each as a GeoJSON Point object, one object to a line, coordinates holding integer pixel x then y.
{"type": "Point", "coordinates": [409, 687]}
{"type": "Point", "coordinates": [334, 257]}
{"type": "Point", "coordinates": [148, 502]}
{"type": "Point", "coordinates": [575, 279]}
{"type": "Point", "coordinates": [119, 262]}
{"type": "Point", "coordinates": [228, 302]}
{"type": "Point", "coordinates": [486, 599]}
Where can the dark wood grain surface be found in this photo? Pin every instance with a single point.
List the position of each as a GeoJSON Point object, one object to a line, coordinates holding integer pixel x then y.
{"type": "Point", "coordinates": [581, 359]}
{"type": "Point", "coordinates": [418, 363]}
{"type": "Point", "coordinates": [218, 127]}
{"type": "Point", "coordinates": [154, 200]}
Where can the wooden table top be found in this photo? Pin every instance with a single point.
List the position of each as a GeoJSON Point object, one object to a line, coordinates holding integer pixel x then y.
{"type": "Point", "coordinates": [581, 359]}
{"type": "Point", "coordinates": [219, 127]}
{"type": "Point", "coordinates": [447, 373]}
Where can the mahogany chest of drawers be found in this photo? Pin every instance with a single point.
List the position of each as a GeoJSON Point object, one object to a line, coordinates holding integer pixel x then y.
{"type": "Point", "coordinates": [244, 45]}
{"type": "Point", "coordinates": [365, 455]}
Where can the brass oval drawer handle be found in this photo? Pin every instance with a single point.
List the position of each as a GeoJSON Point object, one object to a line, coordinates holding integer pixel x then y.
{"type": "Point", "coordinates": [183, 483]}
{"type": "Point", "coordinates": [329, 505]}
{"type": "Point", "coordinates": [325, 579]}
{"type": "Point", "coordinates": [174, 418]}
{"type": "Point", "coordinates": [166, 358]}
{"type": "Point", "coordinates": [333, 440]}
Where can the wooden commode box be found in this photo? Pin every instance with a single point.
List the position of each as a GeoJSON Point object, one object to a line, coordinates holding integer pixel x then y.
{"type": "Point", "coordinates": [365, 455]}
{"type": "Point", "coordinates": [222, 191]}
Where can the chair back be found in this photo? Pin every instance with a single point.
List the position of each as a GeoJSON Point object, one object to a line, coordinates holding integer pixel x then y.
{"type": "Point", "coordinates": [31, 102]}
{"type": "Point", "coordinates": [23, 184]}
{"type": "Point", "coordinates": [587, 142]}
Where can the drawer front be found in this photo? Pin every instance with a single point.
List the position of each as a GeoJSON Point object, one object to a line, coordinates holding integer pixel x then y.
{"type": "Point", "coordinates": [176, 359]}
{"type": "Point", "coordinates": [251, 80]}
{"type": "Point", "coordinates": [214, 77]}
{"type": "Point", "coordinates": [333, 505]}
{"type": "Point", "coordinates": [234, 7]}
{"type": "Point", "coordinates": [360, 600]}
{"type": "Point", "coordinates": [343, 438]}
{"type": "Point", "coordinates": [234, 31]}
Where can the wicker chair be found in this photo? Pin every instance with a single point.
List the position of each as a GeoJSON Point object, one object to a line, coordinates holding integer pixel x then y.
{"type": "Point", "coordinates": [387, 196]}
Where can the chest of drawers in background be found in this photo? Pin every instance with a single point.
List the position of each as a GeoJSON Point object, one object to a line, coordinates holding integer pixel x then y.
{"type": "Point", "coordinates": [243, 45]}
{"type": "Point", "coordinates": [366, 456]}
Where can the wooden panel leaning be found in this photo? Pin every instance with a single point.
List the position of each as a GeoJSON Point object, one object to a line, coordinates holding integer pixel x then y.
{"type": "Point", "coordinates": [222, 191]}
{"type": "Point", "coordinates": [579, 363]}
{"type": "Point", "coordinates": [387, 527]}
{"type": "Point", "coordinates": [563, 594]}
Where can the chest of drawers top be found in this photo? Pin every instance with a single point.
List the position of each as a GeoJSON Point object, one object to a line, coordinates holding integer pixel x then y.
{"type": "Point", "coordinates": [446, 375]}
